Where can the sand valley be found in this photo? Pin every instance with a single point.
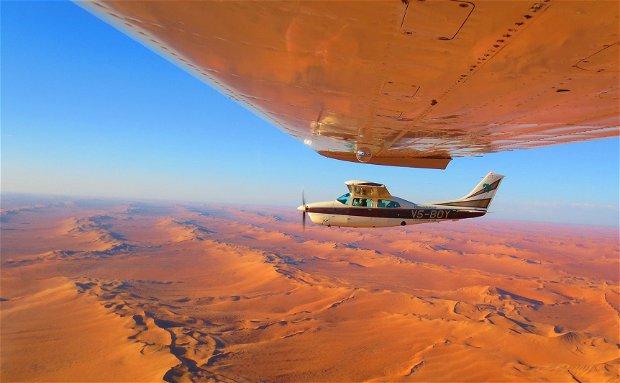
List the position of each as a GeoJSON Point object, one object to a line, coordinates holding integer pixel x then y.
{"type": "Point", "coordinates": [105, 290]}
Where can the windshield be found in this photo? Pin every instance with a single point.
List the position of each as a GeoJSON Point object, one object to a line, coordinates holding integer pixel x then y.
{"type": "Point", "coordinates": [344, 199]}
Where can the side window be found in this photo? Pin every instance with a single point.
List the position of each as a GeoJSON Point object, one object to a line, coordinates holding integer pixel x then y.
{"type": "Point", "coordinates": [344, 199]}
{"type": "Point", "coordinates": [387, 203]}
{"type": "Point", "coordinates": [364, 202]}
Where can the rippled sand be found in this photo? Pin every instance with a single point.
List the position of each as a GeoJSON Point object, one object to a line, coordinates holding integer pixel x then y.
{"type": "Point", "coordinates": [113, 291]}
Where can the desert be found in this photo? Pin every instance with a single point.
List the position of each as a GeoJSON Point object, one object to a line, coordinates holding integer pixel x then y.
{"type": "Point", "coordinates": [114, 290]}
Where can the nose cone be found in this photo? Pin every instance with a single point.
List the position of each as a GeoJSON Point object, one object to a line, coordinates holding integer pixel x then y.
{"type": "Point", "coordinates": [301, 208]}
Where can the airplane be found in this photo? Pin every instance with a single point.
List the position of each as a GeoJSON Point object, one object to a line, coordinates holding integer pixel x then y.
{"type": "Point", "coordinates": [370, 204]}
{"type": "Point", "coordinates": [398, 83]}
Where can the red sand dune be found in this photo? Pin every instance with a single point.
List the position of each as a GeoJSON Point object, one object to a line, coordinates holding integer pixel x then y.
{"type": "Point", "coordinates": [104, 291]}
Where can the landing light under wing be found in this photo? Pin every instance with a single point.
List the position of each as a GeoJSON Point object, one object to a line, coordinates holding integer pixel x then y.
{"type": "Point", "coordinates": [404, 83]}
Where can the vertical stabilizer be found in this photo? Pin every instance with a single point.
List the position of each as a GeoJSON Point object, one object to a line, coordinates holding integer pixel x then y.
{"type": "Point", "coordinates": [481, 196]}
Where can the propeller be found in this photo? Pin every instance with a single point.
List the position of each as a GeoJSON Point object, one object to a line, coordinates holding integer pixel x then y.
{"type": "Point", "coordinates": [303, 213]}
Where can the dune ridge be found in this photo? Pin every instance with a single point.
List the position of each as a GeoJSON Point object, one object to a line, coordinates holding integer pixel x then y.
{"type": "Point", "coordinates": [55, 334]}
{"type": "Point", "coordinates": [209, 293]}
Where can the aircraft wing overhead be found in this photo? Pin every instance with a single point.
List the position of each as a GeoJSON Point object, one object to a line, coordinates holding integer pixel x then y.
{"type": "Point", "coordinates": [405, 83]}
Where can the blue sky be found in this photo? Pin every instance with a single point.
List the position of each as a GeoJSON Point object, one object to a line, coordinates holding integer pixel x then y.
{"type": "Point", "coordinates": [86, 110]}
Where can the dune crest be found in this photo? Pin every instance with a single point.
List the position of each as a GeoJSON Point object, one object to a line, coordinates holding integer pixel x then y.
{"type": "Point", "coordinates": [176, 293]}
{"type": "Point", "coordinates": [72, 338]}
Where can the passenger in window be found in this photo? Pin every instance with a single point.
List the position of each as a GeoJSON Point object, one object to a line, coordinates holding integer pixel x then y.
{"type": "Point", "coordinates": [367, 202]}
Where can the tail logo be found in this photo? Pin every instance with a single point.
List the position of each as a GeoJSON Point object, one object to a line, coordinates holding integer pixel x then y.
{"type": "Point", "coordinates": [486, 187]}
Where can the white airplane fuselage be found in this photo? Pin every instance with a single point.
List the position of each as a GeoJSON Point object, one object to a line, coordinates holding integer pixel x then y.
{"type": "Point", "coordinates": [334, 213]}
{"type": "Point", "coordinates": [369, 204]}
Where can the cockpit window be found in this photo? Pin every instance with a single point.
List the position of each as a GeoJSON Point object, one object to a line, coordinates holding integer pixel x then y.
{"type": "Point", "coordinates": [387, 203]}
{"type": "Point", "coordinates": [344, 199]}
{"type": "Point", "coordinates": [365, 202]}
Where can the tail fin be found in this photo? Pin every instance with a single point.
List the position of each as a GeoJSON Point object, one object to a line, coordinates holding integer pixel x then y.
{"type": "Point", "coordinates": [481, 196]}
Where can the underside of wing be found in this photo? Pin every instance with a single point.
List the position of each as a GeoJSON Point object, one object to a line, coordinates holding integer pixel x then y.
{"type": "Point", "coordinates": [368, 189]}
{"type": "Point", "coordinates": [402, 83]}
